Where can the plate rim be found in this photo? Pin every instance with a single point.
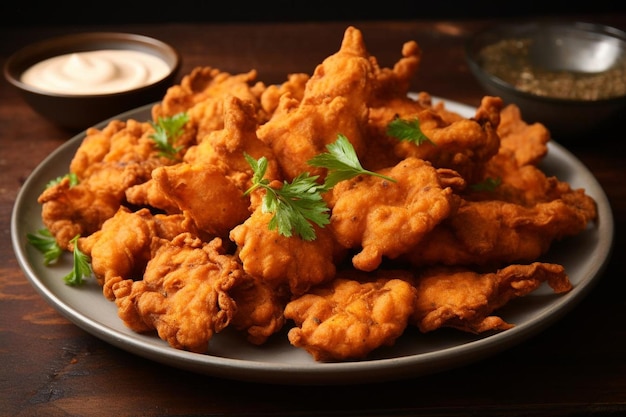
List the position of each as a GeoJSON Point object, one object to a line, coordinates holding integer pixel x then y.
{"type": "Point", "coordinates": [376, 370]}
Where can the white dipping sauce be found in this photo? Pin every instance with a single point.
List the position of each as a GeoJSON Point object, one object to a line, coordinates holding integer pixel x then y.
{"type": "Point", "coordinates": [96, 72]}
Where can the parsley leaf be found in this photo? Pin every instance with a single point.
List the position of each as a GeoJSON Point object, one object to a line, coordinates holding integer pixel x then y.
{"type": "Point", "coordinates": [45, 243]}
{"type": "Point", "coordinates": [407, 130]}
{"type": "Point", "coordinates": [341, 162]}
{"type": "Point", "coordinates": [72, 177]}
{"type": "Point", "coordinates": [167, 131]}
{"type": "Point", "coordinates": [295, 206]}
{"type": "Point", "coordinates": [81, 267]}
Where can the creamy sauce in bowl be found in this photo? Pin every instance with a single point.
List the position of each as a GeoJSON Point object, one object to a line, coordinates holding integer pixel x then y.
{"type": "Point", "coordinates": [105, 71]}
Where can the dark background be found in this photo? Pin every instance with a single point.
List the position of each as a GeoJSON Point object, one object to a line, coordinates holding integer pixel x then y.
{"type": "Point", "coordinates": [21, 12]}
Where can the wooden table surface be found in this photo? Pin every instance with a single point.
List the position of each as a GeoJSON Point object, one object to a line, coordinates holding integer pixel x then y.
{"type": "Point", "coordinates": [50, 367]}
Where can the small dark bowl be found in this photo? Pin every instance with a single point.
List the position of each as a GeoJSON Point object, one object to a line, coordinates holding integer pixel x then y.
{"type": "Point", "coordinates": [576, 48]}
{"type": "Point", "coordinates": [78, 112]}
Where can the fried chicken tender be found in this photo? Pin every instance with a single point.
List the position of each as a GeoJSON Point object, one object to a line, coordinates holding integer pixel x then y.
{"type": "Point", "coordinates": [496, 232]}
{"type": "Point", "coordinates": [348, 319]}
{"type": "Point", "coordinates": [107, 162]}
{"type": "Point", "coordinates": [285, 261]}
{"type": "Point", "coordinates": [334, 102]}
{"type": "Point", "coordinates": [518, 220]}
{"type": "Point", "coordinates": [126, 242]}
{"type": "Point", "coordinates": [212, 201]}
{"type": "Point", "coordinates": [183, 294]}
{"type": "Point", "coordinates": [221, 151]}
{"type": "Point", "coordinates": [259, 309]}
{"type": "Point", "coordinates": [383, 218]}
{"type": "Point", "coordinates": [201, 95]}
{"type": "Point", "coordinates": [464, 299]}
{"type": "Point", "coordinates": [294, 87]}
{"type": "Point", "coordinates": [227, 147]}
{"type": "Point", "coordinates": [520, 142]}
{"type": "Point", "coordinates": [464, 145]}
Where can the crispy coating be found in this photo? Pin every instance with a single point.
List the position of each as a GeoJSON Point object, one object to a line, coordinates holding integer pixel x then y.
{"type": "Point", "coordinates": [183, 294]}
{"type": "Point", "coordinates": [294, 87]}
{"type": "Point", "coordinates": [107, 162]}
{"type": "Point", "coordinates": [126, 242]}
{"type": "Point", "coordinates": [348, 319]}
{"type": "Point", "coordinates": [259, 309]}
{"type": "Point", "coordinates": [285, 261]}
{"type": "Point", "coordinates": [465, 300]}
{"type": "Point", "coordinates": [334, 102]}
{"type": "Point", "coordinates": [226, 148]}
{"type": "Point", "coordinates": [384, 218]}
{"type": "Point", "coordinates": [212, 201]}
{"type": "Point", "coordinates": [201, 94]}
{"type": "Point", "coordinates": [464, 145]}
{"type": "Point", "coordinates": [496, 232]}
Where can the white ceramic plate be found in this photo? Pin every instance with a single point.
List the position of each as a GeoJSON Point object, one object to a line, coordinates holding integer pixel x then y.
{"type": "Point", "coordinates": [230, 356]}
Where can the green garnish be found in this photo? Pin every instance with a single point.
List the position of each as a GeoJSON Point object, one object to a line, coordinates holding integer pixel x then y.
{"type": "Point", "coordinates": [295, 205]}
{"type": "Point", "coordinates": [167, 131]}
{"type": "Point", "coordinates": [45, 243]}
{"type": "Point", "coordinates": [407, 130]}
{"type": "Point", "coordinates": [341, 162]}
{"type": "Point", "coordinates": [298, 204]}
{"type": "Point", "coordinates": [489, 184]}
{"type": "Point", "coordinates": [72, 177]}
{"type": "Point", "coordinates": [81, 267]}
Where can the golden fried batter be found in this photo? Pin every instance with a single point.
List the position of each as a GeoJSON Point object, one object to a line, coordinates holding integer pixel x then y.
{"type": "Point", "coordinates": [383, 218]}
{"type": "Point", "coordinates": [212, 201]}
{"type": "Point", "coordinates": [107, 163]}
{"type": "Point", "coordinates": [126, 242]}
{"type": "Point", "coordinates": [183, 294]}
{"type": "Point", "coordinates": [464, 299]}
{"type": "Point", "coordinates": [285, 261]}
{"type": "Point", "coordinates": [201, 95]}
{"type": "Point", "coordinates": [334, 102]}
{"type": "Point", "coordinates": [348, 319]}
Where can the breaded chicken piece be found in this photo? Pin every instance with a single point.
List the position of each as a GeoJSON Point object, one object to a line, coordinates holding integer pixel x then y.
{"type": "Point", "coordinates": [334, 102]}
{"type": "Point", "coordinates": [259, 309]}
{"type": "Point", "coordinates": [183, 294]}
{"type": "Point", "coordinates": [107, 162]}
{"type": "Point", "coordinates": [285, 262]}
{"type": "Point", "coordinates": [348, 319]}
{"type": "Point", "coordinates": [208, 186]}
{"type": "Point", "coordinates": [495, 232]}
{"type": "Point", "coordinates": [201, 95]}
{"type": "Point", "coordinates": [211, 200]}
{"type": "Point", "coordinates": [523, 143]}
{"type": "Point", "coordinates": [383, 218]}
{"type": "Point", "coordinates": [465, 300]}
{"type": "Point", "coordinates": [463, 145]}
{"type": "Point", "coordinates": [294, 87]}
{"type": "Point", "coordinates": [227, 147]}
{"type": "Point", "coordinates": [123, 246]}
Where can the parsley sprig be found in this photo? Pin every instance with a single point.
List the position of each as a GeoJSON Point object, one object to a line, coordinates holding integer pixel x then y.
{"type": "Point", "coordinates": [45, 243]}
{"type": "Point", "coordinates": [296, 206]}
{"type": "Point", "coordinates": [81, 268]}
{"type": "Point", "coordinates": [341, 162]}
{"type": "Point", "coordinates": [407, 130]}
{"type": "Point", "coordinates": [166, 133]}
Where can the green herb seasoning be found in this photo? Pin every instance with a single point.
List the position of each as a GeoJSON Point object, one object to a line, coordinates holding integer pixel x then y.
{"type": "Point", "coordinates": [508, 60]}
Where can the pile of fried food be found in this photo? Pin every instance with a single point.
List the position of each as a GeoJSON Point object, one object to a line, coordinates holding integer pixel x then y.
{"type": "Point", "coordinates": [184, 251]}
